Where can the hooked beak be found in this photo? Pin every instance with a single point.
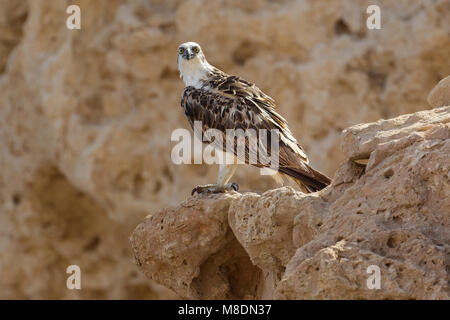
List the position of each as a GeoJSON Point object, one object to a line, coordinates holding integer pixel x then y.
{"type": "Point", "coordinates": [188, 55]}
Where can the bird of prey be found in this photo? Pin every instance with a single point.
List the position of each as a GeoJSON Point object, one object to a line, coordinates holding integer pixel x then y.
{"type": "Point", "coordinates": [221, 101]}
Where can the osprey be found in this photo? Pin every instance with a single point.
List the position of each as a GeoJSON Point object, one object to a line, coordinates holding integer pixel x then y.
{"type": "Point", "coordinates": [221, 101]}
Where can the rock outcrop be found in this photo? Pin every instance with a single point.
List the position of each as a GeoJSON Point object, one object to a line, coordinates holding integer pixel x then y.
{"type": "Point", "coordinates": [391, 214]}
{"type": "Point", "coordinates": [440, 95]}
{"type": "Point", "coordinates": [192, 249]}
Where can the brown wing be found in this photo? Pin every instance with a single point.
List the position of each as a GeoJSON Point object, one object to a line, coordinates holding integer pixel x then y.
{"type": "Point", "coordinates": [228, 102]}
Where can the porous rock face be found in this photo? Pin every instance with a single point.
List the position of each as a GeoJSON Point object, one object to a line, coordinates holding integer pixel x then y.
{"type": "Point", "coordinates": [392, 214]}
{"type": "Point", "coordinates": [192, 249]}
{"type": "Point", "coordinates": [86, 115]}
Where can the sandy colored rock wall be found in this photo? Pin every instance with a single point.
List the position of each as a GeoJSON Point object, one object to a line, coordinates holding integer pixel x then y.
{"type": "Point", "coordinates": [86, 115]}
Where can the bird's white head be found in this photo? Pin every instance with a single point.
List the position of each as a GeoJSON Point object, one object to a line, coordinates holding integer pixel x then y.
{"type": "Point", "coordinates": [192, 64]}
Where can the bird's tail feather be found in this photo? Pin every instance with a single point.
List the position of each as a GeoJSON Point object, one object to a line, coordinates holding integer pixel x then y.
{"type": "Point", "coordinates": [313, 181]}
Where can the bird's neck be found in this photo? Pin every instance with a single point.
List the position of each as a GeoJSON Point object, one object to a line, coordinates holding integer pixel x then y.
{"type": "Point", "coordinates": [195, 71]}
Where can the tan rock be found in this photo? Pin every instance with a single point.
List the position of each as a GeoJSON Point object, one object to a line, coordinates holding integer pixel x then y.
{"type": "Point", "coordinates": [50, 225]}
{"type": "Point", "coordinates": [96, 108]}
{"type": "Point", "coordinates": [393, 214]}
{"type": "Point", "coordinates": [359, 141]}
{"type": "Point", "coordinates": [192, 250]}
{"type": "Point", "coordinates": [440, 95]}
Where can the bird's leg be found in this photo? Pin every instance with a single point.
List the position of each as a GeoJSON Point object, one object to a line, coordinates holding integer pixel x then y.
{"type": "Point", "coordinates": [226, 171]}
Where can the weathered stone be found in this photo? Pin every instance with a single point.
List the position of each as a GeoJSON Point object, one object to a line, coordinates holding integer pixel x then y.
{"type": "Point", "coordinates": [440, 95]}
{"type": "Point", "coordinates": [88, 114]}
{"type": "Point", "coordinates": [392, 215]}
{"type": "Point", "coordinates": [192, 250]}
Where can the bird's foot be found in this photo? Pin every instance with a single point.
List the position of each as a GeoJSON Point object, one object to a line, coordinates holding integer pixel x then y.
{"type": "Point", "coordinates": [214, 188]}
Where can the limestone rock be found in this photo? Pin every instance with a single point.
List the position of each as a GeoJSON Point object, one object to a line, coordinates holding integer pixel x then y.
{"type": "Point", "coordinates": [392, 215]}
{"type": "Point", "coordinates": [192, 250]}
{"type": "Point", "coordinates": [440, 95]}
{"type": "Point", "coordinates": [359, 141]}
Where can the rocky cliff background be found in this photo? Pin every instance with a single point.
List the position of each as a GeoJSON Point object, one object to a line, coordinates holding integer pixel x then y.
{"type": "Point", "coordinates": [86, 115]}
